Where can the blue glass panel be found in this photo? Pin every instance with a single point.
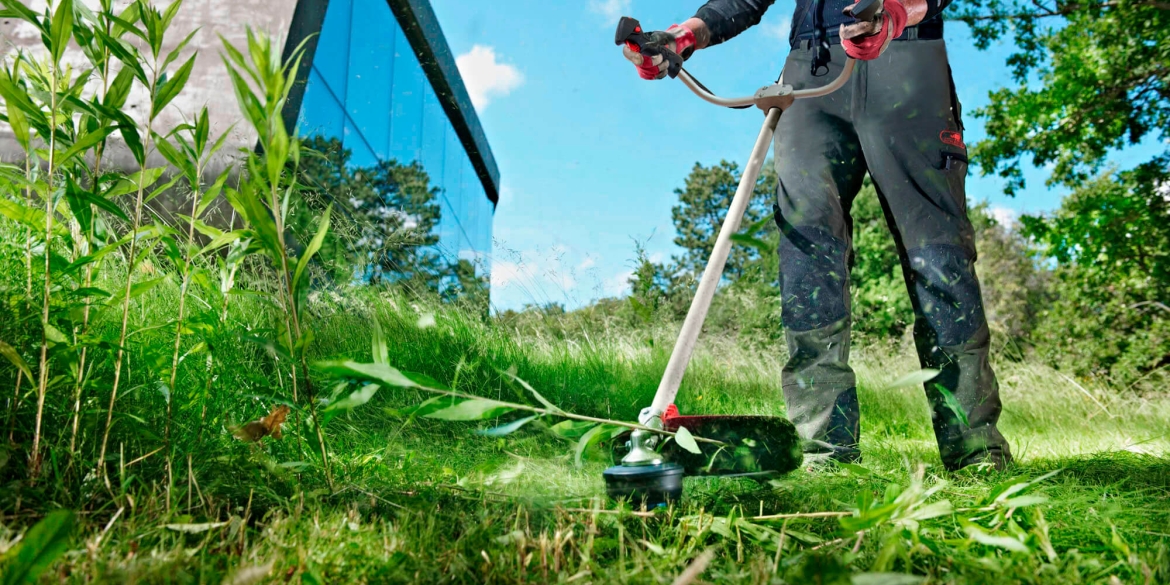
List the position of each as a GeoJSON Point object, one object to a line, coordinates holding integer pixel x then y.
{"type": "Point", "coordinates": [434, 135]}
{"type": "Point", "coordinates": [468, 217]}
{"type": "Point", "coordinates": [332, 56]}
{"type": "Point", "coordinates": [453, 187]}
{"type": "Point", "coordinates": [363, 154]}
{"type": "Point", "coordinates": [371, 71]}
{"type": "Point", "coordinates": [406, 124]}
{"type": "Point", "coordinates": [321, 114]}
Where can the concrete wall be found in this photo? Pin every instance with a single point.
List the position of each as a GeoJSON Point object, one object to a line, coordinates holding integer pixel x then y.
{"type": "Point", "coordinates": [208, 86]}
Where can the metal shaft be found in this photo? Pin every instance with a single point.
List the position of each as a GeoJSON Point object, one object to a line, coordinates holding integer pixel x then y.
{"type": "Point", "coordinates": [685, 346]}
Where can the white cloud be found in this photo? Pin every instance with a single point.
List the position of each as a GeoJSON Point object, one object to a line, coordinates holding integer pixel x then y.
{"type": "Point", "coordinates": [618, 284]}
{"type": "Point", "coordinates": [612, 10]}
{"type": "Point", "coordinates": [587, 263]}
{"type": "Point", "coordinates": [778, 29]}
{"type": "Point", "coordinates": [485, 77]}
{"type": "Point", "coordinates": [1004, 216]}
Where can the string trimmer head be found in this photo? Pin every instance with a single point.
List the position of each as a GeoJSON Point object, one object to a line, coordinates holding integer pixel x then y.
{"type": "Point", "coordinates": [751, 446]}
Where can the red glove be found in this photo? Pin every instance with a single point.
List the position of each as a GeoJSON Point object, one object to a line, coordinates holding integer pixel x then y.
{"type": "Point", "coordinates": [866, 40]}
{"type": "Point", "coordinates": [677, 39]}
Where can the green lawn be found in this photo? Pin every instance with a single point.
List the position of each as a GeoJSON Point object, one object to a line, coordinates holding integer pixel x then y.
{"type": "Point", "coordinates": [419, 500]}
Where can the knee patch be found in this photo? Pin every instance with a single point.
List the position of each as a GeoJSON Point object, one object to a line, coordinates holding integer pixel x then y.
{"type": "Point", "coordinates": [812, 278]}
{"type": "Point", "coordinates": [947, 292]}
{"type": "Point", "coordinates": [844, 421]}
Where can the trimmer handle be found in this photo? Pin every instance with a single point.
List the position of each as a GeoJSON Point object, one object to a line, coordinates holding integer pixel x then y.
{"type": "Point", "coordinates": [866, 10]}
{"type": "Point", "coordinates": [629, 32]}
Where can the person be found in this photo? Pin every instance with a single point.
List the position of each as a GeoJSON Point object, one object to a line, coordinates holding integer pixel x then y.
{"type": "Point", "coordinates": [897, 118]}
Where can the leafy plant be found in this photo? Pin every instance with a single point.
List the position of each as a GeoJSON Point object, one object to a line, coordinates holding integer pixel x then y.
{"type": "Point", "coordinates": [44, 543]}
{"type": "Point", "coordinates": [263, 198]}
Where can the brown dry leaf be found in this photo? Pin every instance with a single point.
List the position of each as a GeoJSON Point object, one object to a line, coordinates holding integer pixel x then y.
{"type": "Point", "coordinates": [274, 419]}
{"type": "Point", "coordinates": [267, 426]}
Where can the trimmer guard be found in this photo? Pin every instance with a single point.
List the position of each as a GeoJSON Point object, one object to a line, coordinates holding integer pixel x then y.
{"type": "Point", "coordinates": [756, 445]}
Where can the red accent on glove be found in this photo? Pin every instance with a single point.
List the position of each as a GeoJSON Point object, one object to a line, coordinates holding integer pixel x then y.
{"type": "Point", "coordinates": [671, 412]}
{"type": "Point", "coordinates": [684, 39]}
{"type": "Point", "coordinates": [894, 20]}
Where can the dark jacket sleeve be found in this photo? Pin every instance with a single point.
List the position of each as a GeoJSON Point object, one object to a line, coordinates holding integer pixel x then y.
{"type": "Point", "coordinates": [727, 18]}
{"type": "Point", "coordinates": [934, 8]}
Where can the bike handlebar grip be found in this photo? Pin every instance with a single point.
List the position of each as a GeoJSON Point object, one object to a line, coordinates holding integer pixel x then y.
{"type": "Point", "coordinates": [629, 32]}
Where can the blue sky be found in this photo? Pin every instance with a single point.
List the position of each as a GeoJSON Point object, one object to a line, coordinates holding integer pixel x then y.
{"type": "Point", "coordinates": [590, 154]}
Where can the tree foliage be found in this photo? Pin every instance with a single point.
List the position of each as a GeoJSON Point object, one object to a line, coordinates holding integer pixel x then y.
{"type": "Point", "coordinates": [703, 203]}
{"type": "Point", "coordinates": [1110, 240]}
{"type": "Point", "coordinates": [1093, 77]}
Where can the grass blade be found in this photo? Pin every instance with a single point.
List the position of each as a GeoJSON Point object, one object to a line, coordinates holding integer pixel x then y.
{"type": "Point", "coordinates": [912, 379]}
{"type": "Point", "coordinates": [505, 430]}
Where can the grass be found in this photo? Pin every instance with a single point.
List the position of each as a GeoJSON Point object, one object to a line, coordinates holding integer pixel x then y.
{"type": "Point", "coordinates": [416, 500]}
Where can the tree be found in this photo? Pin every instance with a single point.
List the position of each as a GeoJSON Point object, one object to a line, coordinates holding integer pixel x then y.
{"type": "Point", "coordinates": [703, 204]}
{"type": "Point", "coordinates": [1093, 77]}
{"type": "Point", "coordinates": [1111, 242]}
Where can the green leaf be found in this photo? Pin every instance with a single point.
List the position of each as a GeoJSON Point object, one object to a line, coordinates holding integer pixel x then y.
{"type": "Point", "coordinates": [13, 356]}
{"type": "Point", "coordinates": [590, 437]}
{"type": "Point", "coordinates": [54, 335]}
{"type": "Point", "coordinates": [19, 122]}
{"type": "Point", "coordinates": [977, 534]}
{"type": "Point", "coordinates": [571, 429]}
{"type": "Point", "coordinates": [18, 9]}
{"type": "Point", "coordinates": [912, 379]}
{"type": "Point", "coordinates": [61, 29]}
{"type": "Point", "coordinates": [212, 192]}
{"type": "Point", "coordinates": [379, 373]}
{"type": "Point", "coordinates": [473, 409]}
{"type": "Point", "coordinates": [161, 189]}
{"type": "Point", "coordinates": [174, 53]}
{"type": "Point", "coordinates": [176, 158]}
{"type": "Point", "coordinates": [687, 441]}
{"type": "Point", "coordinates": [762, 246]}
{"type": "Point", "coordinates": [428, 406]}
{"type": "Point", "coordinates": [222, 240]}
{"type": "Point", "coordinates": [41, 545]}
{"type": "Point", "coordinates": [136, 290]}
{"type": "Point", "coordinates": [171, 88]}
{"type": "Point", "coordinates": [507, 429]}
{"type": "Point", "coordinates": [354, 400]}
{"type": "Point", "coordinates": [380, 352]}
{"type": "Point", "coordinates": [85, 143]}
{"type": "Point", "coordinates": [952, 404]}
{"type": "Point", "coordinates": [119, 89]}
{"type": "Point", "coordinates": [29, 216]}
{"type": "Point", "coordinates": [249, 205]}
{"type": "Point", "coordinates": [311, 250]}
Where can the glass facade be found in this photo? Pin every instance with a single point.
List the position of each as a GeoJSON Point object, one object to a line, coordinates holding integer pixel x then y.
{"type": "Point", "coordinates": [367, 90]}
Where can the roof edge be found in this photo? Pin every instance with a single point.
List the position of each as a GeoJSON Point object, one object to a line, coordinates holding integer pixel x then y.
{"type": "Point", "coordinates": [421, 26]}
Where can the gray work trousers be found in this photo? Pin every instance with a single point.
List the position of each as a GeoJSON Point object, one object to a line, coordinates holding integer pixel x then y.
{"type": "Point", "coordinates": [898, 119]}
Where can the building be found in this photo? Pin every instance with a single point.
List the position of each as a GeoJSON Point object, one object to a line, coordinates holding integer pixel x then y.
{"type": "Point", "coordinates": [384, 82]}
{"type": "Point", "coordinates": [378, 77]}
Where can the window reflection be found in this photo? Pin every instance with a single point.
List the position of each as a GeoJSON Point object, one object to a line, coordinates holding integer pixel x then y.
{"type": "Point", "coordinates": [413, 207]}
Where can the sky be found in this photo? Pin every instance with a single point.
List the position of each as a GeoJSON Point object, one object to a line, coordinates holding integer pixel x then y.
{"type": "Point", "coordinates": [590, 154]}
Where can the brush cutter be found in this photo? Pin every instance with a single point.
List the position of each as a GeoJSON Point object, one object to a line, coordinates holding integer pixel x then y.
{"type": "Point", "coordinates": [754, 446]}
